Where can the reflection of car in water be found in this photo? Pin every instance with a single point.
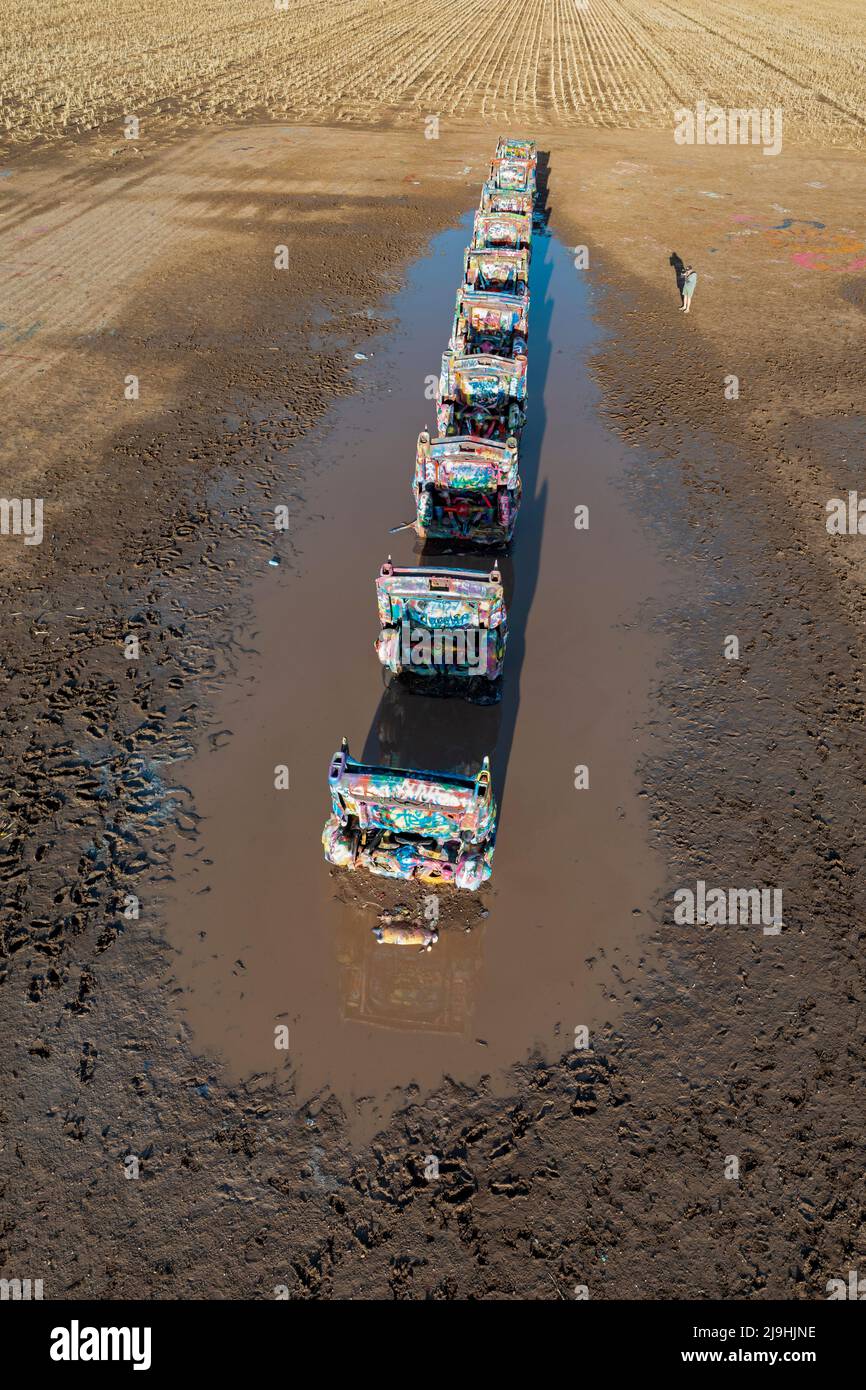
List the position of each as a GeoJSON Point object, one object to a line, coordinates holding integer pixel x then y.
{"type": "Point", "coordinates": [499, 269]}
{"type": "Point", "coordinates": [401, 735]}
{"type": "Point", "coordinates": [412, 990]}
{"type": "Point", "coordinates": [402, 823]}
{"type": "Point", "coordinates": [466, 489]}
{"type": "Point", "coordinates": [444, 625]}
{"type": "Point", "coordinates": [495, 324]}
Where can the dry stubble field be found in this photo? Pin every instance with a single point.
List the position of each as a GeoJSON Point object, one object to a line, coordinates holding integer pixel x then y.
{"type": "Point", "coordinates": [607, 63]}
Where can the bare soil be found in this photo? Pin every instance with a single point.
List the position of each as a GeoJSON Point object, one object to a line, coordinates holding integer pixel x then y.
{"type": "Point", "coordinates": [603, 1168]}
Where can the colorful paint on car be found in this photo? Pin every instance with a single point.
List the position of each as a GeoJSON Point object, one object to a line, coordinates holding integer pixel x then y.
{"type": "Point", "coordinates": [402, 823]}
{"type": "Point", "coordinates": [467, 490]}
{"type": "Point", "coordinates": [497, 268]}
{"type": "Point", "coordinates": [486, 322]}
{"type": "Point", "coordinates": [433, 826]}
{"type": "Point", "coordinates": [510, 230]}
{"type": "Point", "coordinates": [509, 148]}
{"type": "Point", "coordinates": [442, 623]}
{"type": "Point", "coordinates": [481, 394]}
{"type": "Point", "coordinates": [497, 200]}
{"type": "Point", "coordinates": [513, 174]}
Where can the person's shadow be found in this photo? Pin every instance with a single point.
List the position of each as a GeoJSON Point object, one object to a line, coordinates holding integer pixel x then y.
{"type": "Point", "coordinates": [679, 266]}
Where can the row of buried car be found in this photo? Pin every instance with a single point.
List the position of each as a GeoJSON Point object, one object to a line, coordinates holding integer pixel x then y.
{"type": "Point", "coordinates": [446, 626]}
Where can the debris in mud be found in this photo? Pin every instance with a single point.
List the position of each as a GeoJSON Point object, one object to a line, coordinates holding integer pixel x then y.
{"type": "Point", "coordinates": [396, 928]}
{"type": "Point", "coordinates": [424, 938]}
{"type": "Point", "coordinates": [400, 913]}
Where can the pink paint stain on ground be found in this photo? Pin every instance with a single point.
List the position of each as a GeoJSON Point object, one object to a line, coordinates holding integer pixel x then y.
{"type": "Point", "coordinates": [811, 260]}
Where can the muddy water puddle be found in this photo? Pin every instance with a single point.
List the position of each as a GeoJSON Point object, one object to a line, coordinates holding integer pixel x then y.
{"type": "Point", "coordinates": [267, 933]}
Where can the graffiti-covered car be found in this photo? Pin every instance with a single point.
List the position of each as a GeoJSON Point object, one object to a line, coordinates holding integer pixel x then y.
{"type": "Point", "coordinates": [513, 174]}
{"type": "Point", "coordinates": [402, 823]}
{"type": "Point", "coordinates": [507, 147]}
{"type": "Point", "coordinates": [497, 268]}
{"type": "Point", "coordinates": [498, 200]}
{"type": "Point", "coordinates": [444, 624]}
{"type": "Point", "coordinates": [511, 230]}
{"type": "Point", "coordinates": [481, 394]}
{"type": "Point", "coordinates": [466, 489]}
{"type": "Point", "coordinates": [486, 322]}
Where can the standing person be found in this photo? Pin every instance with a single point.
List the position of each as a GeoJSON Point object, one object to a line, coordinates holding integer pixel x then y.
{"type": "Point", "coordinates": [690, 279]}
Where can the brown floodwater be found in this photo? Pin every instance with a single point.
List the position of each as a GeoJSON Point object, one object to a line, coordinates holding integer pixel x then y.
{"type": "Point", "coordinates": [266, 932]}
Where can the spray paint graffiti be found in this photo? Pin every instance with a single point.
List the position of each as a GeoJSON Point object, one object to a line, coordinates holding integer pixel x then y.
{"type": "Point", "coordinates": [407, 824]}
{"type": "Point", "coordinates": [808, 242]}
{"type": "Point", "coordinates": [449, 617]}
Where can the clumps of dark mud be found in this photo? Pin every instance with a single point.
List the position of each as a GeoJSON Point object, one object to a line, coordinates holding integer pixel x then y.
{"type": "Point", "coordinates": [179, 517]}
{"type": "Point", "coordinates": [92, 800]}
{"type": "Point", "coordinates": [745, 1041]}
{"type": "Point", "coordinates": [604, 1170]}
